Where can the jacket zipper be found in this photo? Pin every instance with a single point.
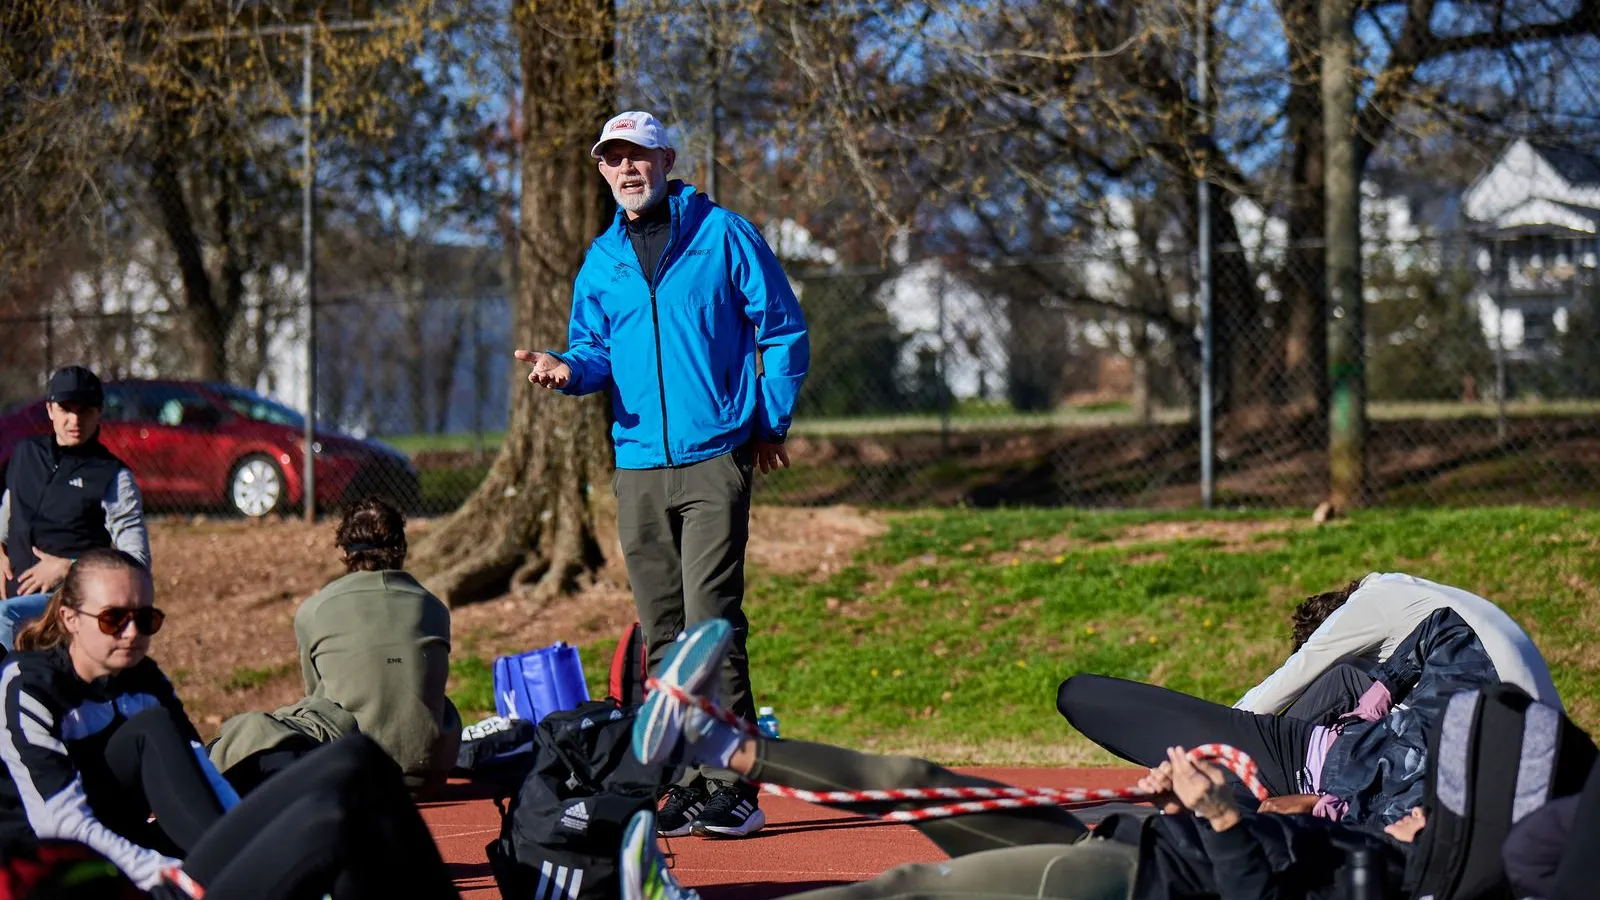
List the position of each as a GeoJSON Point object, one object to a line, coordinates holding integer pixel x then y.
{"type": "Point", "coordinates": [655, 318]}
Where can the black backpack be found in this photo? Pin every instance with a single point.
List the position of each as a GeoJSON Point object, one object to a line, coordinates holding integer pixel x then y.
{"type": "Point", "coordinates": [561, 832]}
{"type": "Point", "coordinates": [1495, 756]}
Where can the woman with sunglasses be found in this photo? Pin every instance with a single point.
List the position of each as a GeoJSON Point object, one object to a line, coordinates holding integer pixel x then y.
{"type": "Point", "coordinates": [100, 751]}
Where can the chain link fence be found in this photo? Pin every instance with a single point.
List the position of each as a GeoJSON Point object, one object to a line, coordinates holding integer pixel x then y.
{"type": "Point", "coordinates": [953, 382]}
{"type": "Point", "coordinates": [1062, 380]}
{"type": "Point", "coordinates": [961, 371]}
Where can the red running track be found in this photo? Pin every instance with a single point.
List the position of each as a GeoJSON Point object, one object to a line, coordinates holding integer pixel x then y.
{"type": "Point", "coordinates": [802, 847]}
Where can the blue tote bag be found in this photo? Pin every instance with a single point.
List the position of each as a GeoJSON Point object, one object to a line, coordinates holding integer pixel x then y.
{"type": "Point", "coordinates": [534, 684]}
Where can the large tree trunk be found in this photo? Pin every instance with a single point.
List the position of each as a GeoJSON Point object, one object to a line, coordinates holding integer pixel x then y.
{"type": "Point", "coordinates": [203, 314]}
{"type": "Point", "coordinates": [1305, 282]}
{"type": "Point", "coordinates": [447, 358]}
{"type": "Point", "coordinates": [545, 515]}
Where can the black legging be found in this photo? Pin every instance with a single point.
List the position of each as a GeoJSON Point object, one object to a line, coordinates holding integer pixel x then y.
{"type": "Point", "coordinates": [1138, 722]}
{"type": "Point", "coordinates": [1332, 696]}
{"type": "Point", "coordinates": [151, 767]}
{"type": "Point", "coordinates": [338, 821]}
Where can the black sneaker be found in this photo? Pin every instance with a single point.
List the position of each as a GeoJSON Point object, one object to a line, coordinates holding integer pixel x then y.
{"type": "Point", "coordinates": [731, 812]}
{"type": "Point", "coordinates": [676, 816]}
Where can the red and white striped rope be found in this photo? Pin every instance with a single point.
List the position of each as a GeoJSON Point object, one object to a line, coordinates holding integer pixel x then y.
{"type": "Point", "coordinates": [188, 885]}
{"type": "Point", "coordinates": [976, 799]}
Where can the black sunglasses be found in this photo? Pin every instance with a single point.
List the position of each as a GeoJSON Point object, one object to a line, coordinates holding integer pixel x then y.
{"type": "Point", "coordinates": [147, 619]}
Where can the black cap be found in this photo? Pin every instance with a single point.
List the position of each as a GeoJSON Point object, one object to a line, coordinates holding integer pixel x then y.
{"type": "Point", "coordinates": [75, 384]}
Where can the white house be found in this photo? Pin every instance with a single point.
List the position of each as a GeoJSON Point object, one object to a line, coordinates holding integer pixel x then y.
{"type": "Point", "coordinates": [940, 312]}
{"type": "Point", "coordinates": [1537, 210]}
{"type": "Point", "coordinates": [970, 329]}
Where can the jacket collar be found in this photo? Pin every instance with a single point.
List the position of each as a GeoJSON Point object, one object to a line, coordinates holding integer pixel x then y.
{"type": "Point", "coordinates": [89, 449]}
{"type": "Point", "coordinates": [689, 208]}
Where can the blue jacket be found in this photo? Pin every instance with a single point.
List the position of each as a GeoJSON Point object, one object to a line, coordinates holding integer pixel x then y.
{"type": "Point", "coordinates": [1379, 768]}
{"type": "Point", "coordinates": [679, 355]}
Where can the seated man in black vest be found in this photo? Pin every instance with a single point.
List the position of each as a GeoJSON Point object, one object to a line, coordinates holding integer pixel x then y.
{"type": "Point", "coordinates": [64, 493]}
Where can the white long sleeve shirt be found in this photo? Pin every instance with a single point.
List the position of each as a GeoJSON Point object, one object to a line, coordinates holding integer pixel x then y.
{"type": "Point", "coordinates": [1380, 614]}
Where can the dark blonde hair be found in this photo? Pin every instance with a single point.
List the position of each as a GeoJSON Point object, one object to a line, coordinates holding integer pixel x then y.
{"type": "Point", "coordinates": [372, 535]}
{"type": "Point", "coordinates": [48, 631]}
{"type": "Point", "coordinates": [1314, 610]}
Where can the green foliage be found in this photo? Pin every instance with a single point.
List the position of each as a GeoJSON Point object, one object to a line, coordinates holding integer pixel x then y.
{"type": "Point", "coordinates": [854, 347]}
{"type": "Point", "coordinates": [471, 686]}
{"type": "Point", "coordinates": [1578, 372]}
{"type": "Point", "coordinates": [244, 678]}
{"type": "Point", "coordinates": [1424, 338]}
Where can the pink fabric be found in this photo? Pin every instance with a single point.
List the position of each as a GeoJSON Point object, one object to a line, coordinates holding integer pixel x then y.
{"type": "Point", "coordinates": [1329, 807]}
{"type": "Point", "coordinates": [1374, 703]}
{"type": "Point", "coordinates": [1317, 754]}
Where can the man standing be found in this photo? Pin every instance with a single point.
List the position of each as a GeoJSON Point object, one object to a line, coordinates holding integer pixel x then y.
{"type": "Point", "coordinates": [684, 314]}
{"type": "Point", "coordinates": [64, 494]}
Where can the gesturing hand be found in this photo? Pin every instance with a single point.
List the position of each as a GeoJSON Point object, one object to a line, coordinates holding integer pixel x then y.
{"type": "Point", "coordinates": [1203, 788]}
{"type": "Point", "coordinates": [770, 456]}
{"type": "Point", "coordinates": [548, 371]}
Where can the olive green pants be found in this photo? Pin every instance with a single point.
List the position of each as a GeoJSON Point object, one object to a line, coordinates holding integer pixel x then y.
{"type": "Point", "coordinates": [683, 531]}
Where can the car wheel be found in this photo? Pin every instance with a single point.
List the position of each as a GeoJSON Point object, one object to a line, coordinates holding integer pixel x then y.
{"type": "Point", "coordinates": [256, 487]}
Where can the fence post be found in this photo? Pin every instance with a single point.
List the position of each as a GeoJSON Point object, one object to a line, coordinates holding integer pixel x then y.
{"type": "Point", "coordinates": [49, 345]}
{"type": "Point", "coordinates": [1203, 252]}
{"type": "Point", "coordinates": [1347, 412]}
{"type": "Point", "coordinates": [308, 238]}
{"type": "Point", "coordinates": [713, 101]}
{"type": "Point", "coordinates": [1499, 277]}
{"type": "Point", "coordinates": [944, 368]}
{"type": "Point", "coordinates": [480, 377]}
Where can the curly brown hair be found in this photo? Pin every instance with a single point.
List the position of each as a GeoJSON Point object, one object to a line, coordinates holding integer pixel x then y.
{"type": "Point", "coordinates": [372, 536]}
{"type": "Point", "coordinates": [1314, 610]}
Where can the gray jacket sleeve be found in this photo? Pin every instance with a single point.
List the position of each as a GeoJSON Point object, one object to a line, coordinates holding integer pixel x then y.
{"type": "Point", "coordinates": [125, 517]}
{"type": "Point", "coordinates": [5, 515]}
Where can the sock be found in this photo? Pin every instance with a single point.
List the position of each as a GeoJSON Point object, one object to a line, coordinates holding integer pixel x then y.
{"type": "Point", "coordinates": [715, 747]}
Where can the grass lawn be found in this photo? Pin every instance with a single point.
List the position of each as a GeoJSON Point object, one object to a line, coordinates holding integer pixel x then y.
{"type": "Point", "coordinates": [948, 636]}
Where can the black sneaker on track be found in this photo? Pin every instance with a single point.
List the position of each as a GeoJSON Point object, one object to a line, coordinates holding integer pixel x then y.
{"type": "Point", "coordinates": [676, 816]}
{"type": "Point", "coordinates": [731, 812]}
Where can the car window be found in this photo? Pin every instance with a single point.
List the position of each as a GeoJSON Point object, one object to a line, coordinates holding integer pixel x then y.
{"type": "Point", "coordinates": [119, 405]}
{"type": "Point", "coordinates": [254, 406]}
{"type": "Point", "coordinates": [166, 404]}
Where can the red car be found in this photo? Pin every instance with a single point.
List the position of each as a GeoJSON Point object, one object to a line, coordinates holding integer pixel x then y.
{"type": "Point", "coordinates": [195, 445]}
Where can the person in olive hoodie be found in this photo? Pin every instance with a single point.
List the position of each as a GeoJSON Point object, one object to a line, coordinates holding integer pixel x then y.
{"type": "Point", "coordinates": [374, 654]}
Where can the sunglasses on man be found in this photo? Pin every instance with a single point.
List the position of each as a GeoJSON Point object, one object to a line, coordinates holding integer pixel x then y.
{"type": "Point", "coordinates": [147, 619]}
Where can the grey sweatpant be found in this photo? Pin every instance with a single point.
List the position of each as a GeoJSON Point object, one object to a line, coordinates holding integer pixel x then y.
{"type": "Point", "coordinates": [684, 530]}
{"type": "Point", "coordinates": [1022, 853]}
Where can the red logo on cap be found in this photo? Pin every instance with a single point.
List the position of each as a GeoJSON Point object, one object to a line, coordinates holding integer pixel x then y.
{"type": "Point", "coordinates": [623, 125]}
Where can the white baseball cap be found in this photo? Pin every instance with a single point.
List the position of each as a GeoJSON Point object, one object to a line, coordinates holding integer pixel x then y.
{"type": "Point", "coordinates": [635, 127]}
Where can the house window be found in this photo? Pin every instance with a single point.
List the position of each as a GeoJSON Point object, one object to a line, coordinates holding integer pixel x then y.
{"type": "Point", "coordinates": [1538, 328]}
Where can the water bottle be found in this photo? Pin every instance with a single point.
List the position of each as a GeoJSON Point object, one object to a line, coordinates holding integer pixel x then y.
{"type": "Point", "coordinates": [1363, 874]}
{"type": "Point", "coordinates": [767, 723]}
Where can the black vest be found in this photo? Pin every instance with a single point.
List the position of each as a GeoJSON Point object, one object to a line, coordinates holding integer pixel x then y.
{"type": "Point", "coordinates": [56, 500]}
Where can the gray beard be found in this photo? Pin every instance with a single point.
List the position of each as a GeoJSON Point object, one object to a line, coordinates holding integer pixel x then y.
{"type": "Point", "coordinates": [638, 203]}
